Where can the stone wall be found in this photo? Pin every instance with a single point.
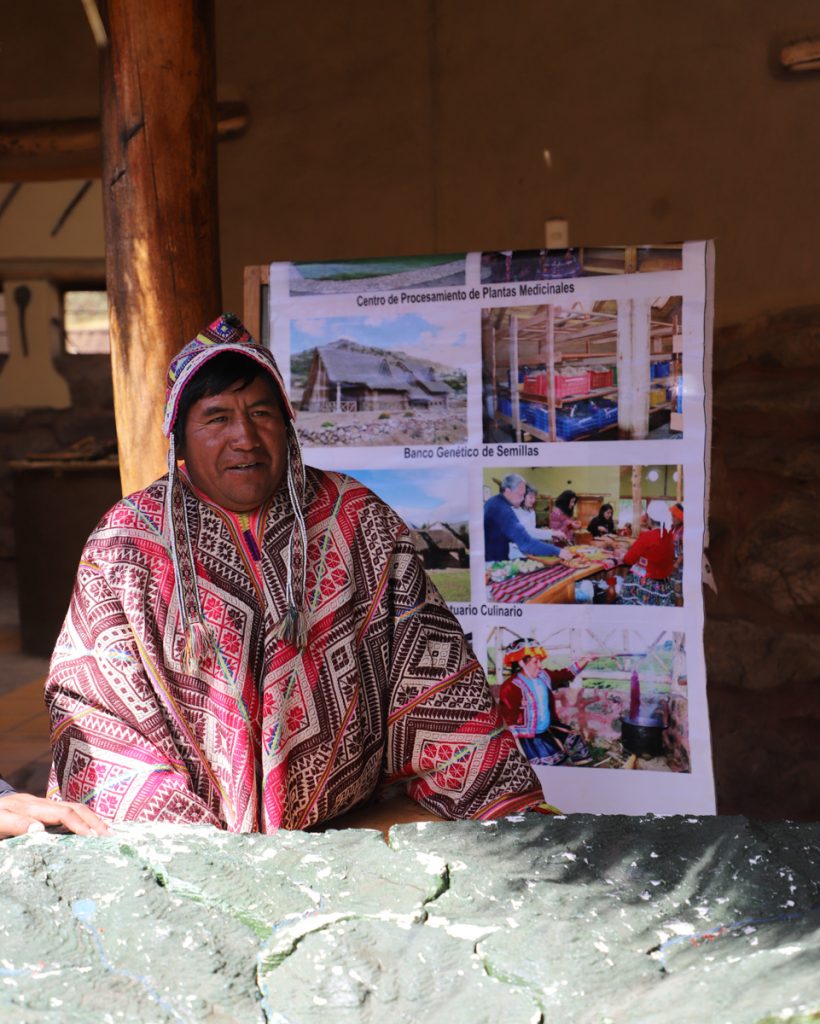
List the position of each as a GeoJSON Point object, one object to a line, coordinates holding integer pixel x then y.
{"type": "Point", "coordinates": [763, 625]}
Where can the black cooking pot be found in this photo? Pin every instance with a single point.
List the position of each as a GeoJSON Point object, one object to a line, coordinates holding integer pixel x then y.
{"type": "Point", "coordinates": [642, 737]}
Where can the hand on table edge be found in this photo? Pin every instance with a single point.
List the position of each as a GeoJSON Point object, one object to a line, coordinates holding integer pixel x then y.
{"type": "Point", "coordinates": [21, 813]}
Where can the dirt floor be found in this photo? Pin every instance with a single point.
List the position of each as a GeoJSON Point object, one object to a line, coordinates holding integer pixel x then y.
{"type": "Point", "coordinates": [611, 754]}
{"type": "Point", "coordinates": [411, 427]}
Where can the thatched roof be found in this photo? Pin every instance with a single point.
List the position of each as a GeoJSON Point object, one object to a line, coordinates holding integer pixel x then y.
{"type": "Point", "coordinates": [442, 537]}
{"type": "Point", "coordinates": [420, 542]}
{"type": "Point", "coordinates": [347, 363]}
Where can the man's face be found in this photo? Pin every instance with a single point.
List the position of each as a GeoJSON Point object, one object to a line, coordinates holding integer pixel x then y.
{"type": "Point", "coordinates": [515, 495]}
{"type": "Point", "coordinates": [235, 445]}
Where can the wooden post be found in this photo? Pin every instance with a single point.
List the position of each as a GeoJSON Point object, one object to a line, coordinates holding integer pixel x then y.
{"type": "Point", "coordinates": [551, 410]}
{"type": "Point", "coordinates": [633, 368]}
{"type": "Point", "coordinates": [636, 500]}
{"type": "Point", "coordinates": [494, 372]}
{"type": "Point", "coordinates": [160, 207]}
{"type": "Point", "coordinates": [514, 395]}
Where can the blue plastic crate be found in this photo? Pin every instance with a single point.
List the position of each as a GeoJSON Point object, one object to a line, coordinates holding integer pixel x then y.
{"type": "Point", "coordinates": [607, 411]}
{"type": "Point", "coordinates": [569, 426]}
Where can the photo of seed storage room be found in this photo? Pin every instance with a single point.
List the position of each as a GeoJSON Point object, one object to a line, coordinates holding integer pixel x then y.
{"type": "Point", "coordinates": [607, 371]}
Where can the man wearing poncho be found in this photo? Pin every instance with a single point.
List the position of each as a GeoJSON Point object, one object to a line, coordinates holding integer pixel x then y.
{"type": "Point", "coordinates": [254, 644]}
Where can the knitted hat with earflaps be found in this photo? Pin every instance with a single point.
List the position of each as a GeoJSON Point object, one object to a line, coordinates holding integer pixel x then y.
{"type": "Point", "coordinates": [227, 334]}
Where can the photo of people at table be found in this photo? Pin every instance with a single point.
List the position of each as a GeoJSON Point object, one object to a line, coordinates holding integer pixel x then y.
{"type": "Point", "coordinates": [578, 698]}
{"type": "Point", "coordinates": [584, 535]}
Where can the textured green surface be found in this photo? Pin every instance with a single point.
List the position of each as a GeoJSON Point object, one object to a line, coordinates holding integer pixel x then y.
{"type": "Point", "coordinates": [569, 919]}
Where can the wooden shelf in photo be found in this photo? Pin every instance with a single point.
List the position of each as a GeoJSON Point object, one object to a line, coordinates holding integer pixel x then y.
{"type": "Point", "coordinates": [662, 407]}
{"type": "Point", "coordinates": [594, 393]}
{"type": "Point", "coordinates": [534, 432]}
{"type": "Point", "coordinates": [677, 344]}
{"type": "Point", "coordinates": [601, 357]}
{"type": "Point", "coordinates": [613, 259]}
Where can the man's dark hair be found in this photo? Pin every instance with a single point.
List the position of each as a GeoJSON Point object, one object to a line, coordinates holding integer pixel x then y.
{"type": "Point", "coordinates": [216, 376]}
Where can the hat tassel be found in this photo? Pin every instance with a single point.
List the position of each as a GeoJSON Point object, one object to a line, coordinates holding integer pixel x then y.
{"type": "Point", "coordinates": [293, 627]}
{"type": "Point", "coordinates": [198, 641]}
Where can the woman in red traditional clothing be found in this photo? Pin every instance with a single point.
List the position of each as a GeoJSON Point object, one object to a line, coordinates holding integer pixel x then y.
{"type": "Point", "coordinates": [527, 704]}
{"type": "Point", "coordinates": [651, 559]}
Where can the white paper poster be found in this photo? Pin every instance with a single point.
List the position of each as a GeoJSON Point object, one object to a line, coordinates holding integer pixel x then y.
{"type": "Point", "coordinates": [539, 419]}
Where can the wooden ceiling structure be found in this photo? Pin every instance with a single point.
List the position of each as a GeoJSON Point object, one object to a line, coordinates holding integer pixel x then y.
{"type": "Point", "coordinates": [154, 148]}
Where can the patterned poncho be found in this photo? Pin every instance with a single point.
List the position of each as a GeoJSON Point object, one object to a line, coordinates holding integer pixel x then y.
{"type": "Point", "coordinates": [262, 735]}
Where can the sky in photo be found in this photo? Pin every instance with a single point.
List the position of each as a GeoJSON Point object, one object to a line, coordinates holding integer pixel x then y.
{"type": "Point", "coordinates": [443, 341]}
{"type": "Point", "coordinates": [420, 497]}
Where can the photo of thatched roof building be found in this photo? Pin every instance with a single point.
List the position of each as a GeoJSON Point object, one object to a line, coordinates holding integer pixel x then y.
{"type": "Point", "coordinates": [346, 376]}
{"type": "Point", "coordinates": [442, 545]}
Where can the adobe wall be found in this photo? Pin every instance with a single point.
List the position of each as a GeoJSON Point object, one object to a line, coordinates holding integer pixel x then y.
{"type": "Point", "coordinates": [386, 129]}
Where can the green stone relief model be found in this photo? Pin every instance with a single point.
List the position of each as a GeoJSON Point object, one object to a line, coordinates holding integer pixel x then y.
{"type": "Point", "coordinates": [579, 918]}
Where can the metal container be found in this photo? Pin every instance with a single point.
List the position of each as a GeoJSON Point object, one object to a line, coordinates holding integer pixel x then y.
{"type": "Point", "coordinates": [643, 736]}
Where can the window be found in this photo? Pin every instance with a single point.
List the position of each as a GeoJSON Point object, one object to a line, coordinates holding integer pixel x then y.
{"type": "Point", "coordinates": [85, 322]}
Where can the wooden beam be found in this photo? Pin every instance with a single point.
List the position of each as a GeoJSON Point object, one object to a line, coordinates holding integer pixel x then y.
{"type": "Point", "coordinates": [70, 271]}
{"type": "Point", "coordinates": [254, 278]}
{"type": "Point", "coordinates": [636, 500]}
{"type": "Point", "coordinates": [552, 413]}
{"type": "Point", "coordinates": [160, 207]}
{"type": "Point", "coordinates": [59, 150]}
{"type": "Point", "coordinates": [633, 369]}
{"type": "Point", "coordinates": [802, 56]}
{"type": "Point", "coordinates": [514, 393]}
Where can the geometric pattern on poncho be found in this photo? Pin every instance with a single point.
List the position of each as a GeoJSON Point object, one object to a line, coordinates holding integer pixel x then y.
{"type": "Point", "coordinates": [262, 735]}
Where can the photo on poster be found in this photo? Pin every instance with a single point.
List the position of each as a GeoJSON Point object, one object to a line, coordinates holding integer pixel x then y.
{"type": "Point", "coordinates": [583, 372]}
{"type": "Point", "coordinates": [510, 265]}
{"type": "Point", "coordinates": [437, 515]}
{"type": "Point", "coordinates": [382, 379]}
{"type": "Point", "coordinates": [608, 698]}
{"type": "Point", "coordinates": [380, 274]}
{"type": "Point", "coordinates": [584, 535]}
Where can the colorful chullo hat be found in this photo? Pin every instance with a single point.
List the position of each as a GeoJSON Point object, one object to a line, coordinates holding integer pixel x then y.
{"type": "Point", "coordinates": [227, 334]}
{"type": "Point", "coordinates": [523, 647]}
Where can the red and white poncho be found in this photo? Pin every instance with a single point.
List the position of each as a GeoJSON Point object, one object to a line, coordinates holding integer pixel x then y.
{"type": "Point", "coordinates": [262, 735]}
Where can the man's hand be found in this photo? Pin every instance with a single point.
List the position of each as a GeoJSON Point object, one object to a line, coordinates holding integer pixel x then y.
{"type": "Point", "coordinates": [566, 555]}
{"type": "Point", "coordinates": [21, 813]}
